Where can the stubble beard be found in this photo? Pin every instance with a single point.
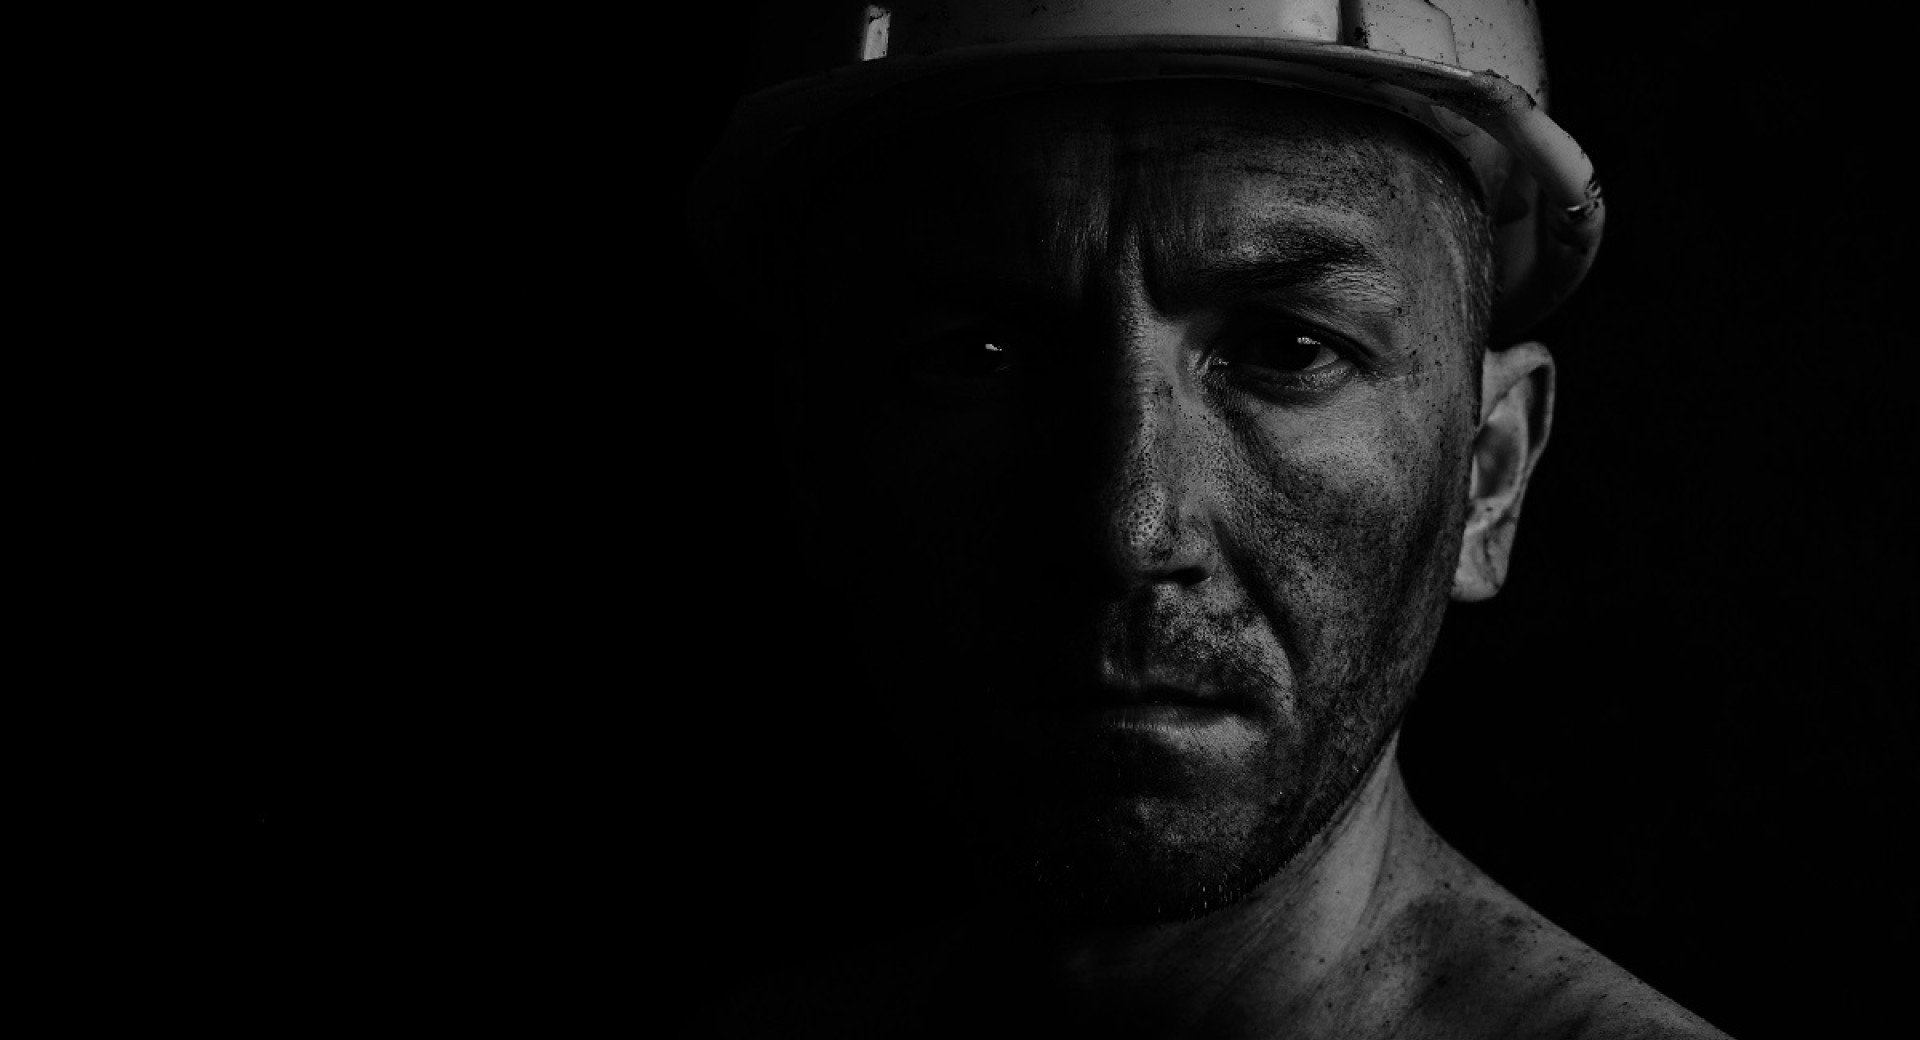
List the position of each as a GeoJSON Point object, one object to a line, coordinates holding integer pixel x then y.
{"type": "Point", "coordinates": [1113, 862]}
{"type": "Point", "coordinates": [1093, 860]}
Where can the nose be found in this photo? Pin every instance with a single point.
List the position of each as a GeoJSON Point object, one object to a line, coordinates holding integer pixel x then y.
{"type": "Point", "coordinates": [1151, 526]}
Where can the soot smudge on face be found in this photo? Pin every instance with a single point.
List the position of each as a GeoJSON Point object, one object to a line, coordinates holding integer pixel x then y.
{"type": "Point", "coordinates": [1113, 505]}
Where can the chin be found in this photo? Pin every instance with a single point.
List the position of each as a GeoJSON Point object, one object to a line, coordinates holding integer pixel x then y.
{"type": "Point", "coordinates": [1114, 848]}
{"type": "Point", "coordinates": [1137, 861]}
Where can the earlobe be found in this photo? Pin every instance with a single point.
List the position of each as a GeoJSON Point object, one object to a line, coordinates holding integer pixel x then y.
{"type": "Point", "coordinates": [1516, 414]}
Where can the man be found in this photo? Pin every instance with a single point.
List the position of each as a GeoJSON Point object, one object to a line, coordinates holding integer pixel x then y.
{"type": "Point", "coordinates": [1157, 386]}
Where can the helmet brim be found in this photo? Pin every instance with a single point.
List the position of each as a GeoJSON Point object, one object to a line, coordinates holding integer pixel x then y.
{"type": "Point", "coordinates": [1513, 147]}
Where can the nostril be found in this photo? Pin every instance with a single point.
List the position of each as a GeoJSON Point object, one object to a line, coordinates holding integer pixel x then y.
{"type": "Point", "coordinates": [1188, 577]}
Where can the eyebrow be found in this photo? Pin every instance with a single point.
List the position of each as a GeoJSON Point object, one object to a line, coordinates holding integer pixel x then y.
{"type": "Point", "coordinates": [1295, 257]}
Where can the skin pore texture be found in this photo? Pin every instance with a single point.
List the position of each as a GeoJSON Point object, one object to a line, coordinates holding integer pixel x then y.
{"type": "Point", "coordinates": [1146, 433]}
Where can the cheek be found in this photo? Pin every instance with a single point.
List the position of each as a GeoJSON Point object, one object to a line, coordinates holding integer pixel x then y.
{"type": "Point", "coordinates": [1346, 522]}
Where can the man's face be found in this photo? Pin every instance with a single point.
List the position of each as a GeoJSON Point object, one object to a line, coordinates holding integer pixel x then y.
{"type": "Point", "coordinates": [1137, 422]}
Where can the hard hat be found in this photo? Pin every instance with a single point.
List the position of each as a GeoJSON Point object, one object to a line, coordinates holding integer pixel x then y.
{"type": "Point", "coordinates": [1471, 71]}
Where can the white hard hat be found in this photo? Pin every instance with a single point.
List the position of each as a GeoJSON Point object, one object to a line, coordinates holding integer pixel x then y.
{"type": "Point", "coordinates": [1469, 70]}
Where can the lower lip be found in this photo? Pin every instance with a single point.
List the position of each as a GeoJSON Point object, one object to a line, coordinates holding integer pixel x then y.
{"type": "Point", "coordinates": [1185, 725]}
{"type": "Point", "coordinates": [1140, 740]}
{"type": "Point", "coordinates": [1161, 716]}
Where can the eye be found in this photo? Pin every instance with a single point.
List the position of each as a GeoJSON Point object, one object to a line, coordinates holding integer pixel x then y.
{"type": "Point", "coordinates": [963, 355]}
{"type": "Point", "coordinates": [1280, 347]}
{"type": "Point", "coordinates": [1276, 356]}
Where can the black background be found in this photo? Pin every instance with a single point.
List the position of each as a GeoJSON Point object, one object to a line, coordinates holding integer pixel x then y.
{"type": "Point", "coordinates": [522, 708]}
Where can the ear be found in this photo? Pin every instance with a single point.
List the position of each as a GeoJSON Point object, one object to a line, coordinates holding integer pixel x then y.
{"type": "Point", "coordinates": [1516, 413]}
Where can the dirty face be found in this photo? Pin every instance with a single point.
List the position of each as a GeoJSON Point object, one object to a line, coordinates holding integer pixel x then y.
{"type": "Point", "coordinates": [1136, 425]}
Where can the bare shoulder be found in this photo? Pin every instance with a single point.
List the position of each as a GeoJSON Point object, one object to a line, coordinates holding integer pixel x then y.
{"type": "Point", "coordinates": [1566, 989]}
{"type": "Point", "coordinates": [1477, 962]}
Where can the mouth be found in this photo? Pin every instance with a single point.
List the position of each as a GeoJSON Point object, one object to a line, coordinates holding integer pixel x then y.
{"type": "Point", "coordinates": [1155, 715]}
{"type": "Point", "coordinates": [1123, 705]}
{"type": "Point", "coordinates": [1153, 724]}
{"type": "Point", "coordinates": [1121, 695]}
{"type": "Point", "coordinates": [1117, 736]}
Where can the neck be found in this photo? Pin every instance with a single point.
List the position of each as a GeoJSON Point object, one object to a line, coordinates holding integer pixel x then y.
{"type": "Point", "coordinates": [1290, 934]}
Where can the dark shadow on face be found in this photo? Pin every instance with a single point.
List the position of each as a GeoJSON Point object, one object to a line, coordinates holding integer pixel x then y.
{"type": "Point", "coordinates": [1134, 426]}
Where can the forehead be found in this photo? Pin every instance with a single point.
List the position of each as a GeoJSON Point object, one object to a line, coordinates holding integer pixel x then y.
{"type": "Point", "coordinates": [1051, 190]}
